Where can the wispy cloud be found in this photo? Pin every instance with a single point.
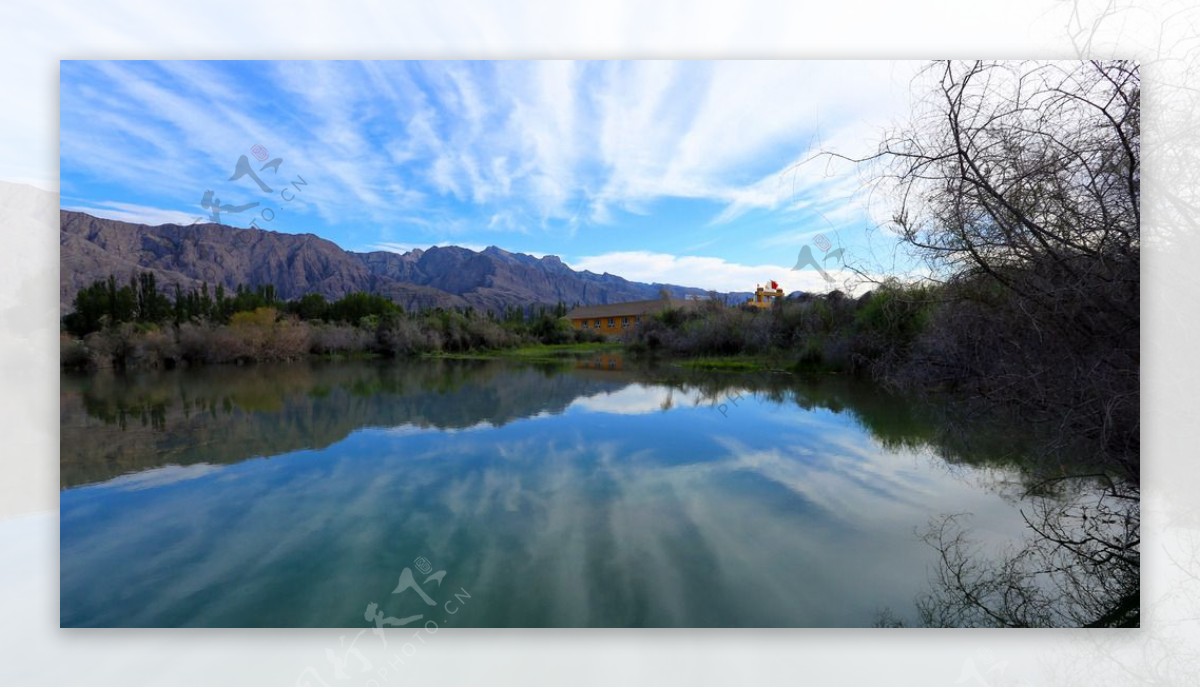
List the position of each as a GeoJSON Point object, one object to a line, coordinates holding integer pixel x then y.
{"type": "Point", "coordinates": [138, 214]}
{"type": "Point", "coordinates": [560, 152]}
{"type": "Point", "coordinates": [400, 247]}
{"type": "Point", "coordinates": [394, 247]}
{"type": "Point", "coordinates": [704, 272]}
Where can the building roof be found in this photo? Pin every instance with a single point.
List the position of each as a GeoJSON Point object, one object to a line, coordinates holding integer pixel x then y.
{"type": "Point", "coordinates": [616, 310]}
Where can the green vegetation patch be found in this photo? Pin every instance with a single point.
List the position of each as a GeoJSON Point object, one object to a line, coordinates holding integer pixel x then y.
{"type": "Point", "coordinates": [729, 364]}
{"type": "Point", "coordinates": [539, 352]}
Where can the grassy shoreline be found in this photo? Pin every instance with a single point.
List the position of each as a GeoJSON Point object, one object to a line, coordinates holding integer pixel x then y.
{"type": "Point", "coordinates": [771, 362]}
{"type": "Point", "coordinates": [775, 362]}
{"type": "Point", "coordinates": [534, 352]}
{"type": "Point", "coordinates": [739, 363]}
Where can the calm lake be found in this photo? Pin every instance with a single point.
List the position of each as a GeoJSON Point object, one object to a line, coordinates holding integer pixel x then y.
{"type": "Point", "coordinates": [508, 494]}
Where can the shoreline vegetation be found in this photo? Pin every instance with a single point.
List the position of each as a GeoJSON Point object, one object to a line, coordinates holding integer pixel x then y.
{"type": "Point", "coordinates": [135, 327]}
{"type": "Point", "coordinates": [1017, 184]}
{"type": "Point", "coordinates": [905, 338]}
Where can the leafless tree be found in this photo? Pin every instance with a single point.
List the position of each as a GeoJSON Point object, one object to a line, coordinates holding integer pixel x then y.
{"type": "Point", "coordinates": [1019, 184]}
{"type": "Point", "coordinates": [1008, 164]}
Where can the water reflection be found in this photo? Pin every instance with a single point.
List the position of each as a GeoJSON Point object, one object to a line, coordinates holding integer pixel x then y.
{"type": "Point", "coordinates": [559, 496]}
{"type": "Point", "coordinates": [116, 424]}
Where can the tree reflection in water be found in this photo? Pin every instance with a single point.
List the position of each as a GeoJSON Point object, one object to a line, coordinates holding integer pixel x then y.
{"type": "Point", "coordinates": [1079, 567]}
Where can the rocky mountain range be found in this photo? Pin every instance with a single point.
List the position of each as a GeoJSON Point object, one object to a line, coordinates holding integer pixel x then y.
{"type": "Point", "coordinates": [92, 248]}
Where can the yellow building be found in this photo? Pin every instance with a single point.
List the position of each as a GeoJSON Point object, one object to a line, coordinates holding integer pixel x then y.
{"type": "Point", "coordinates": [765, 298]}
{"type": "Point", "coordinates": [617, 318]}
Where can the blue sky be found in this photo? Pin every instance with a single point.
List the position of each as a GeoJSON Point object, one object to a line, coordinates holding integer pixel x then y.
{"type": "Point", "coordinates": [681, 172]}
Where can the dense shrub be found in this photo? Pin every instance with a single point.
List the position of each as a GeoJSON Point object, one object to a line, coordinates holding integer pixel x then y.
{"type": "Point", "coordinates": [352, 308]}
{"type": "Point", "coordinates": [405, 337]}
{"type": "Point", "coordinates": [326, 339]}
{"type": "Point", "coordinates": [152, 348]}
{"type": "Point", "coordinates": [583, 336]}
{"type": "Point", "coordinates": [258, 335]}
{"type": "Point", "coordinates": [549, 329]}
{"type": "Point", "coordinates": [73, 354]}
{"type": "Point", "coordinates": [830, 332]}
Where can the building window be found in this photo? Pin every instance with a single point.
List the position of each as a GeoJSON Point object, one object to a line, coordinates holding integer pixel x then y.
{"type": "Point", "coordinates": [625, 321]}
{"type": "Point", "coordinates": [597, 325]}
{"type": "Point", "coordinates": [612, 322]}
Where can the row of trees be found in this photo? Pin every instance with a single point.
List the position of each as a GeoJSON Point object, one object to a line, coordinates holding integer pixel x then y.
{"type": "Point", "coordinates": [106, 303]}
{"type": "Point", "coordinates": [136, 325]}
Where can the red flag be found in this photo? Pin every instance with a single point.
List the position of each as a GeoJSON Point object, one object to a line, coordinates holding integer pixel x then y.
{"type": "Point", "coordinates": [774, 284]}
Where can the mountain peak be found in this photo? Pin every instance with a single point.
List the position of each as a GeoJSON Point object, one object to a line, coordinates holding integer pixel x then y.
{"type": "Point", "coordinates": [297, 264]}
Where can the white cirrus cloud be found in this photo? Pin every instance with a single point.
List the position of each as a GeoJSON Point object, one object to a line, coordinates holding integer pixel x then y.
{"type": "Point", "coordinates": [405, 247]}
{"type": "Point", "coordinates": [706, 272]}
{"type": "Point", "coordinates": [140, 214]}
{"type": "Point", "coordinates": [512, 147]}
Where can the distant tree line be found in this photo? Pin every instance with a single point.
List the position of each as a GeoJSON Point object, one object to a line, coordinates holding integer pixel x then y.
{"type": "Point", "coordinates": [830, 332]}
{"type": "Point", "coordinates": [135, 324]}
{"type": "Point", "coordinates": [104, 303]}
